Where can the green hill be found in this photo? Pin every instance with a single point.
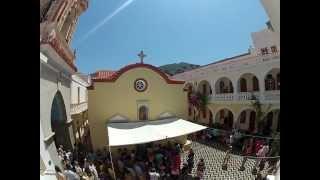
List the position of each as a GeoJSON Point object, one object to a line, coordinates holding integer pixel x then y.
{"type": "Point", "coordinates": [176, 68]}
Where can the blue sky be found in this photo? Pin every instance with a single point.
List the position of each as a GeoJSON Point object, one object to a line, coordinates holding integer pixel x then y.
{"type": "Point", "coordinates": [111, 33]}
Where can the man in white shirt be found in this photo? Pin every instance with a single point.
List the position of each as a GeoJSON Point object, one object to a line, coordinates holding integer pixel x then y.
{"type": "Point", "coordinates": [69, 174]}
{"type": "Point", "coordinates": [93, 169]}
{"type": "Point", "coordinates": [154, 175]}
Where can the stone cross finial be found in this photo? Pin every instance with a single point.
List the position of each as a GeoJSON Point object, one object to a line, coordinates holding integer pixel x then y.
{"type": "Point", "coordinates": [141, 55]}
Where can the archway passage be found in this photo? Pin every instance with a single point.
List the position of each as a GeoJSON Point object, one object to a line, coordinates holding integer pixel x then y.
{"type": "Point", "coordinates": [59, 122]}
{"type": "Point", "coordinates": [225, 117]}
{"type": "Point", "coordinates": [272, 122]}
{"type": "Point", "coordinates": [247, 120]}
{"type": "Point", "coordinates": [272, 80]}
{"type": "Point", "coordinates": [224, 85]}
{"type": "Point", "coordinates": [248, 82]}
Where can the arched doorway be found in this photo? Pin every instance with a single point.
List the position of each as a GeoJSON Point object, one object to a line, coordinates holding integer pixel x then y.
{"type": "Point", "coordinates": [225, 117]}
{"type": "Point", "coordinates": [247, 120]}
{"type": "Point", "coordinates": [59, 122]}
{"type": "Point", "coordinates": [143, 113]}
{"type": "Point", "coordinates": [224, 85]}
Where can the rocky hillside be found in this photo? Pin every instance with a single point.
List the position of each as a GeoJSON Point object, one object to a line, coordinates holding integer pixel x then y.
{"type": "Point", "coordinates": [176, 68]}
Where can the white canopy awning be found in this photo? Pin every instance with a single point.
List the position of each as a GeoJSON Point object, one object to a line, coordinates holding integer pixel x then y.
{"type": "Point", "coordinates": [148, 131]}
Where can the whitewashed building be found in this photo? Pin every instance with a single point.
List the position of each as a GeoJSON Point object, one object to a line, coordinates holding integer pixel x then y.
{"type": "Point", "coordinates": [58, 19]}
{"type": "Point", "coordinates": [79, 108]}
{"type": "Point", "coordinates": [230, 84]}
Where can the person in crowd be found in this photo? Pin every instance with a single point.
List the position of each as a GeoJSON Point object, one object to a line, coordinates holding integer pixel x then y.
{"type": "Point", "coordinates": [127, 175]}
{"type": "Point", "coordinates": [93, 170]}
{"type": "Point", "coordinates": [70, 174]}
{"type": "Point", "coordinates": [261, 153]}
{"type": "Point", "coordinates": [153, 174]}
{"type": "Point", "coordinates": [78, 169]}
{"type": "Point", "coordinates": [226, 158]}
{"type": "Point", "coordinates": [138, 170]}
{"type": "Point", "coordinates": [85, 163]}
{"type": "Point", "coordinates": [59, 174]}
{"type": "Point", "coordinates": [184, 170]}
{"type": "Point", "coordinates": [246, 151]}
{"type": "Point", "coordinates": [162, 171]}
{"type": "Point", "coordinates": [200, 168]}
{"type": "Point", "coordinates": [88, 174]}
{"type": "Point", "coordinates": [190, 159]}
{"type": "Point", "coordinates": [133, 154]}
{"type": "Point", "coordinates": [158, 159]}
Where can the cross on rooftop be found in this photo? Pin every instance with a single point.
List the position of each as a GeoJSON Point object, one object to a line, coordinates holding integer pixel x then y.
{"type": "Point", "coordinates": [141, 55]}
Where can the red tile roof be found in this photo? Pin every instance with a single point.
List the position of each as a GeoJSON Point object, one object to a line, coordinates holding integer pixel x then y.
{"type": "Point", "coordinates": [104, 74]}
{"type": "Point", "coordinates": [111, 76]}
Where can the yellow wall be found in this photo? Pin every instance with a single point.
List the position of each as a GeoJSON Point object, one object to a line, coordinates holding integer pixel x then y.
{"type": "Point", "coordinates": [119, 97]}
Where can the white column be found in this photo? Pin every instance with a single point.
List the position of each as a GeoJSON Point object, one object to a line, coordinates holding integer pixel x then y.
{"type": "Point", "coordinates": [235, 89]}
{"type": "Point", "coordinates": [212, 88]}
{"type": "Point", "coordinates": [261, 86]}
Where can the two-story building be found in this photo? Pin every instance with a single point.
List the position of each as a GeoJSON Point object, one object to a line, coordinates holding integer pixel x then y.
{"type": "Point", "coordinates": [231, 84]}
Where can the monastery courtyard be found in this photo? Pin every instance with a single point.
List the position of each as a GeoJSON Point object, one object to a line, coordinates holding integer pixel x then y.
{"type": "Point", "coordinates": [213, 157]}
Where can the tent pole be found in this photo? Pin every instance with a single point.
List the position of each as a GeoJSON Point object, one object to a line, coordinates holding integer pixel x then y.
{"type": "Point", "coordinates": [114, 174]}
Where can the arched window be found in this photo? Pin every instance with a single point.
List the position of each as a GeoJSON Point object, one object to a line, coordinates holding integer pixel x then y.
{"type": "Point", "coordinates": [243, 85]}
{"type": "Point", "coordinates": [278, 81]}
{"type": "Point", "coordinates": [143, 113]}
{"type": "Point", "coordinates": [255, 83]}
{"type": "Point", "coordinates": [270, 82]}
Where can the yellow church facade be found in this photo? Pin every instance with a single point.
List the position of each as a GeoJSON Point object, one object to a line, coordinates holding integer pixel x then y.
{"type": "Point", "coordinates": [137, 92]}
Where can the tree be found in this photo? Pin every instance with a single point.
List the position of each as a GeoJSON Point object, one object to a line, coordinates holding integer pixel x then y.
{"type": "Point", "coordinates": [261, 112]}
{"type": "Point", "coordinates": [199, 102]}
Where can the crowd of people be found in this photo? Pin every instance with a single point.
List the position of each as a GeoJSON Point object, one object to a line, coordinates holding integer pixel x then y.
{"type": "Point", "coordinates": [144, 162]}
{"type": "Point", "coordinates": [157, 161]}
{"type": "Point", "coordinates": [259, 148]}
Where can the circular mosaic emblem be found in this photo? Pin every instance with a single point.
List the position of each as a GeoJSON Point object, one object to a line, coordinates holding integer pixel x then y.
{"type": "Point", "coordinates": [140, 85]}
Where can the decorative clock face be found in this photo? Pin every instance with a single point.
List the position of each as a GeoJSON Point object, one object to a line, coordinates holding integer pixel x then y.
{"type": "Point", "coordinates": [140, 85]}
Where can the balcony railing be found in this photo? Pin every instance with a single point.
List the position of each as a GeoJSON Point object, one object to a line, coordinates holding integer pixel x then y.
{"type": "Point", "coordinates": [272, 95]}
{"type": "Point", "coordinates": [223, 97]}
{"type": "Point", "coordinates": [246, 96]}
{"type": "Point", "coordinates": [78, 108]}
